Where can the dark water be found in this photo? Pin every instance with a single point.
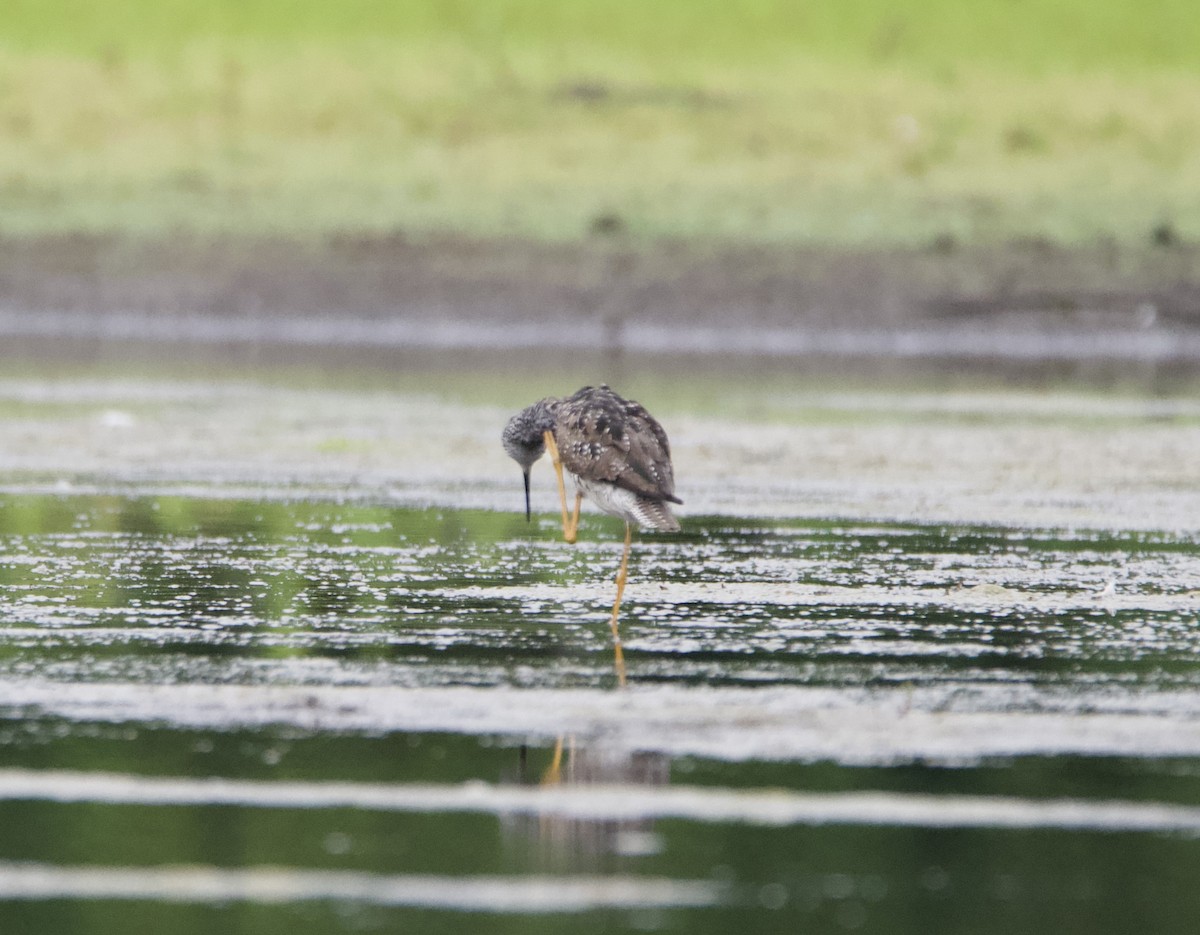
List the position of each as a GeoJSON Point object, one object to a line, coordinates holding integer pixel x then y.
{"type": "Point", "coordinates": [384, 690]}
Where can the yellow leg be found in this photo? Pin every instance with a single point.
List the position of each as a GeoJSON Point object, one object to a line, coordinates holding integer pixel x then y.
{"type": "Point", "coordinates": [618, 651]}
{"type": "Point", "coordinates": [570, 526]}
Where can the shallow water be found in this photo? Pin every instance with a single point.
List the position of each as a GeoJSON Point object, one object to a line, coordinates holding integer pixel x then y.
{"type": "Point", "coordinates": [268, 713]}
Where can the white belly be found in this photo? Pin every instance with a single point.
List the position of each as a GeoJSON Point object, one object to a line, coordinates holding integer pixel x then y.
{"type": "Point", "coordinates": [629, 506]}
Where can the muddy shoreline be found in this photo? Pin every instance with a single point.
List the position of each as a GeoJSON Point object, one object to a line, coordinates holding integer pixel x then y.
{"type": "Point", "coordinates": [1021, 302]}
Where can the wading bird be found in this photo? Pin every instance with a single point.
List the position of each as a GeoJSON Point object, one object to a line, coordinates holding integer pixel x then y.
{"type": "Point", "coordinates": [618, 456]}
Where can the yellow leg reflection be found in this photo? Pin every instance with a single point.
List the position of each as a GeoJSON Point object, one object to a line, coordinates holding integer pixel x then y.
{"type": "Point", "coordinates": [618, 651]}
{"type": "Point", "coordinates": [570, 524]}
{"type": "Point", "coordinates": [553, 774]}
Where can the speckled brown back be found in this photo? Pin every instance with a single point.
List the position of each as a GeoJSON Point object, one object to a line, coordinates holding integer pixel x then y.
{"type": "Point", "coordinates": [602, 436]}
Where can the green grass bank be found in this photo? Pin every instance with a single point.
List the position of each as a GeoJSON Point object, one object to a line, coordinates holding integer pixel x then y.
{"type": "Point", "coordinates": [848, 124]}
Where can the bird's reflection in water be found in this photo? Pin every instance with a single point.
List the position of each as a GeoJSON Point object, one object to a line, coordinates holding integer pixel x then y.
{"type": "Point", "coordinates": [567, 842]}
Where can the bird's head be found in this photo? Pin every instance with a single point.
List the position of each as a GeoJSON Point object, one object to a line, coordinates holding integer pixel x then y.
{"type": "Point", "coordinates": [524, 437]}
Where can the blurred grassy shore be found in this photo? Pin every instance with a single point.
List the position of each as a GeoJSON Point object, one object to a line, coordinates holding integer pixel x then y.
{"type": "Point", "coordinates": [854, 124]}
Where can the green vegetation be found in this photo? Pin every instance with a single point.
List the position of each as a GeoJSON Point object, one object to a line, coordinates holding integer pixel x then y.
{"type": "Point", "coordinates": [764, 120]}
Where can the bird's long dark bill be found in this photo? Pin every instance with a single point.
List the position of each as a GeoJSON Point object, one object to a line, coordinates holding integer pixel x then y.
{"type": "Point", "coordinates": [527, 515]}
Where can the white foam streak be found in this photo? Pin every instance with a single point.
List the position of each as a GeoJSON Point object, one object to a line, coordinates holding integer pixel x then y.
{"type": "Point", "coordinates": [774, 807]}
{"type": "Point", "coordinates": [876, 727]}
{"type": "Point", "coordinates": [276, 885]}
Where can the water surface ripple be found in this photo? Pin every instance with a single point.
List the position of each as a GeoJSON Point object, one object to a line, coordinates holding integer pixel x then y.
{"type": "Point", "coordinates": [409, 713]}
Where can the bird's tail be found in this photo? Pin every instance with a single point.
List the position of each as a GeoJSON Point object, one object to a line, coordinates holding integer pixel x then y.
{"type": "Point", "coordinates": [655, 514]}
